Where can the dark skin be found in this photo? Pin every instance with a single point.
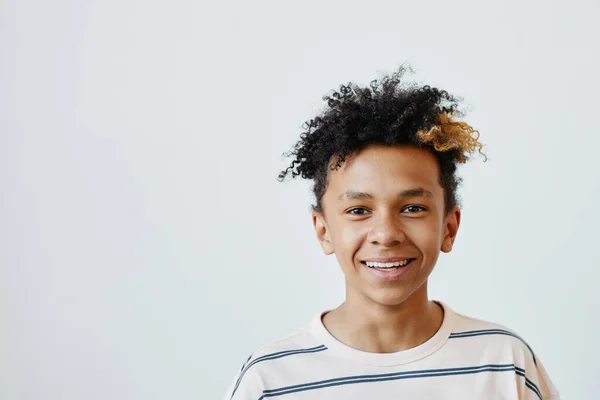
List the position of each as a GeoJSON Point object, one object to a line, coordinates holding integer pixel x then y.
{"type": "Point", "coordinates": [385, 202]}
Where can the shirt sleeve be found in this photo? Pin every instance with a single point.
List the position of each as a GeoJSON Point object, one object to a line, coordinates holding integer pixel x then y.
{"type": "Point", "coordinates": [547, 388]}
{"type": "Point", "coordinates": [246, 385]}
{"type": "Point", "coordinates": [229, 392]}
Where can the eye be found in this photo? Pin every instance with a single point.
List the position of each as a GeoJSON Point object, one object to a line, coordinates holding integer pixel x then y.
{"type": "Point", "coordinates": [413, 209]}
{"type": "Point", "coordinates": [357, 211]}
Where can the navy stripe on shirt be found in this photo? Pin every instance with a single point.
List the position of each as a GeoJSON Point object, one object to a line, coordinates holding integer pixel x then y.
{"type": "Point", "coordinates": [274, 356]}
{"type": "Point", "coordinates": [528, 383]}
{"type": "Point", "coordinates": [348, 380]}
{"type": "Point", "coordinates": [492, 332]}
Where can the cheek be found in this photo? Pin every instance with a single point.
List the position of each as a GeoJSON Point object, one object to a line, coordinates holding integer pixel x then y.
{"type": "Point", "coordinates": [350, 237]}
{"type": "Point", "coordinates": [427, 237]}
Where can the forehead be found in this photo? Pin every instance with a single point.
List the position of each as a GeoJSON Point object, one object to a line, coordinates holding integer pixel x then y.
{"type": "Point", "coordinates": [381, 169]}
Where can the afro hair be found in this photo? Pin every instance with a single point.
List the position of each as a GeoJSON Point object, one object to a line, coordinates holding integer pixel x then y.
{"type": "Point", "coordinates": [389, 112]}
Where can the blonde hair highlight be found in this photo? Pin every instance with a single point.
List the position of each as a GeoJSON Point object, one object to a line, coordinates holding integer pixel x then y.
{"type": "Point", "coordinates": [449, 134]}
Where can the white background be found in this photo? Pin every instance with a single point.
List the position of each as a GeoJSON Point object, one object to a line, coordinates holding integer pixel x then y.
{"type": "Point", "coordinates": [146, 245]}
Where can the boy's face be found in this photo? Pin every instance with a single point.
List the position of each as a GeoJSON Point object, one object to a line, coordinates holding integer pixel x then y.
{"type": "Point", "coordinates": [386, 203]}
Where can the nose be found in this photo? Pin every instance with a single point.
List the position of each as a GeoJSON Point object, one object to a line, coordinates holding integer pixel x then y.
{"type": "Point", "coordinates": [387, 230]}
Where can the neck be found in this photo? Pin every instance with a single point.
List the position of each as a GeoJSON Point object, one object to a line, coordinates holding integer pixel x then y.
{"type": "Point", "coordinates": [376, 328]}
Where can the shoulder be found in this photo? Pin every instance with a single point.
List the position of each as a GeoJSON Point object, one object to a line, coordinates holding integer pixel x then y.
{"type": "Point", "coordinates": [494, 344]}
{"type": "Point", "coordinates": [298, 341]}
{"type": "Point", "coordinates": [480, 333]}
{"type": "Point", "coordinates": [271, 359]}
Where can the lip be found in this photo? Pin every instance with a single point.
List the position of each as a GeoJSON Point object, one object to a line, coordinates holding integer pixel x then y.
{"type": "Point", "coordinates": [392, 275]}
{"type": "Point", "coordinates": [389, 259]}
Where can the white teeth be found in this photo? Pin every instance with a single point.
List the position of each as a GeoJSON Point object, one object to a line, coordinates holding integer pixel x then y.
{"type": "Point", "coordinates": [372, 264]}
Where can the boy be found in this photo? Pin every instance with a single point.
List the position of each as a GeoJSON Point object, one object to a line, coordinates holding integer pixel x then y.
{"type": "Point", "coordinates": [383, 160]}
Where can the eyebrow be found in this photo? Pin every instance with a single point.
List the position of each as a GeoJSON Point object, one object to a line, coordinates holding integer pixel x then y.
{"type": "Point", "coordinates": [356, 195]}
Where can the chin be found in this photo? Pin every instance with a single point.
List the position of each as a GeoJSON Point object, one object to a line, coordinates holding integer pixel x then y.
{"type": "Point", "coordinates": [392, 299]}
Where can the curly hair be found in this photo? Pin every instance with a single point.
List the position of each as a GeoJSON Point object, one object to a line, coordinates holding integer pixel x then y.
{"type": "Point", "coordinates": [389, 113]}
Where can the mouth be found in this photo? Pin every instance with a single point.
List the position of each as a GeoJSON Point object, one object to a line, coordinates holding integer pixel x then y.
{"type": "Point", "coordinates": [388, 269]}
{"type": "Point", "coordinates": [389, 265]}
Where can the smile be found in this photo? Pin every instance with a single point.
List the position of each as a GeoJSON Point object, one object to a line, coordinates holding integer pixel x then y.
{"type": "Point", "coordinates": [388, 271]}
{"type": "Point", "coordinates": [387, 265]}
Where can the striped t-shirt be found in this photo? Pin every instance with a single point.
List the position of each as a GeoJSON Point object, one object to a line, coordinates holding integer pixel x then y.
{"type": "Point", "coordinates": [466, 359]}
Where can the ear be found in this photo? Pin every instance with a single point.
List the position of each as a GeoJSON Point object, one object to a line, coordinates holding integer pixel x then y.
{"type": "Point", "coordinates": [451, 224]}
{"type": "Point", "coordinates": [322, 232]}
